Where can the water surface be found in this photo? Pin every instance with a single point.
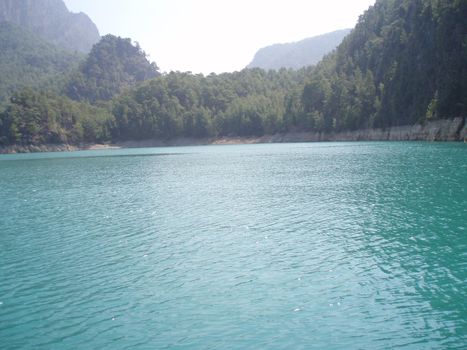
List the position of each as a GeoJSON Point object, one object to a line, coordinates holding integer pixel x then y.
{"type": "Point", "coordinates": [291, 246]}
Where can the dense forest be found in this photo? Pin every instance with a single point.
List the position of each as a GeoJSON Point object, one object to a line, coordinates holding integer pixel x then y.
{"type": "Point", "coordinates": [404, 63]}
{"type": "Point", "coordinates": [36, 118]}
{"type": "Point", "coordinates": [250, 102]}
{"type": "Point", "coordinates": [26, 60]}
{"type": "Point", "coordinates": [113, 65]}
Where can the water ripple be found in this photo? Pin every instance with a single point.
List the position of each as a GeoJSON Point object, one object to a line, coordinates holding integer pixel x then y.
{"type": "Point", "coordinates": [269, 246]}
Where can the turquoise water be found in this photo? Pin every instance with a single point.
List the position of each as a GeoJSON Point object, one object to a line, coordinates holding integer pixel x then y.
{"type": "Point", "coordinates": [292, 246]}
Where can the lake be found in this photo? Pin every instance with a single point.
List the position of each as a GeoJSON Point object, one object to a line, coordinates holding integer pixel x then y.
{"type": "Point", "coordinates": [287, 246]}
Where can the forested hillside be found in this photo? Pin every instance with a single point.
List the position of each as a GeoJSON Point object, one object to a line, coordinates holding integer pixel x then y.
{"type": "Point", "coordinates": [114, 64]}
{"type": "Point", "coordinates": [28, 60]}
{"type": "Point", "coordinates": [250, 102]}
{"type": "Point", "coordinates": [36, 118]}
{"type": "Point", "coordinates": [404, 63]}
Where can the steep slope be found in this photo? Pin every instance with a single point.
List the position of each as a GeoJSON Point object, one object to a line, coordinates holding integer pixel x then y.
{"type": "Point", "coordinates": [300, 54]}
{"type": "Point", "coordinates": [28, 60]}
{"type": "Point", "coordinates": [405, 63]}
{"type": "Point", "coordinates": [112, 65]}
{"type": "Point", "coordinates": [51, 20]}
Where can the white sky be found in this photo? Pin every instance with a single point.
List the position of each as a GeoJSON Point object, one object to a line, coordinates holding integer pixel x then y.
{"type": "Point", "coordinates": [204, 36]}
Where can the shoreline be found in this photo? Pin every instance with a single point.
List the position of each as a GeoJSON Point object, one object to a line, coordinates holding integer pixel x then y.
{"type": "Point", "coordinates": [454, 130]}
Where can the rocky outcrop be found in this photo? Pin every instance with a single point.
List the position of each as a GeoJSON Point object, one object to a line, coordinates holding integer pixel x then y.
{"type": "Point", "coordinates": [13, 149]}
{"type": "Point", "coordinates": [51, 20]}
{"type": "Point", "coordinates": [439, 130]}
{"type": "Point", "coordinates": [62, 147]}
{"type": "Point", "coordinates": [463, 133]}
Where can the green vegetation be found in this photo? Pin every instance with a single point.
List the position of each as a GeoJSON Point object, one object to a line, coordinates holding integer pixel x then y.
{"type": "Point", "coordinates": [404, 63]}
{"type": "Point", "coordinates": [250, 102]}
{"type": "Point", "coordinates": [27, 60]}
{"type": "Point", "coordinates": [113, 65]}
{"type": "Point", "coordinates": [38, 118]}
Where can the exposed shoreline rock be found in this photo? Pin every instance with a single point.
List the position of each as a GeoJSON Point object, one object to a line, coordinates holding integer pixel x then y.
{"type": "Point", "coordinates": [438, 130]}
{"type": "Point", "coordinates": [13, 149]}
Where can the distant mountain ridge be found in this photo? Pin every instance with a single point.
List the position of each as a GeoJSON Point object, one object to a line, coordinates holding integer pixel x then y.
{"type": "Point", "coordinates": [28, 60]}
{"type": "Point", "coordinates": [51, 20]}
{"type": "Point", "coordinates": [299, 54]}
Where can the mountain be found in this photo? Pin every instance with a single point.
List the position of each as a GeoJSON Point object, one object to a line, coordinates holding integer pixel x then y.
{"type": "Point", "coordinates": [28, 60]}
{"type": "Point", "coordinates": [51, 20]}
{"type": "Point", "coordinates": [300, 54]}
{"type": "Point", "coordinates": [114, 64]}
{"type": "Point", "coordinates": [404, 63]}
{"type": "Point", "coordinates": [403, 67]}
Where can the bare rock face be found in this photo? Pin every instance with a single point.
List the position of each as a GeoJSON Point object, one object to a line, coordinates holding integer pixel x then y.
{"type": "Point", "coordinates": [463, 133]}
{"type": "Point", "coordinates": [51, 20]}
{"type": "Point", "coordinates": [437, 130]}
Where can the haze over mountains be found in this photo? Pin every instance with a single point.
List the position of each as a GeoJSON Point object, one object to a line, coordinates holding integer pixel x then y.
{"type": "Point", "coordinates": [299, 54]}
{"type": "Point", "coordinates": [26, 59]}
{"type": "Point", "coordinates": [41, 43]}
{"type": "Point", "coordinates": [51, 20]}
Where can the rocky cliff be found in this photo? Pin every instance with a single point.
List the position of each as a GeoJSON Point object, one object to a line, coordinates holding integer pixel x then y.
{"type": "Point", "coordinates": [51, 20]}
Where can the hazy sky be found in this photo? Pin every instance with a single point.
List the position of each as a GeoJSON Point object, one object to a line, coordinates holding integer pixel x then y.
{"type": "Point", "coordinates": [206, 36]}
